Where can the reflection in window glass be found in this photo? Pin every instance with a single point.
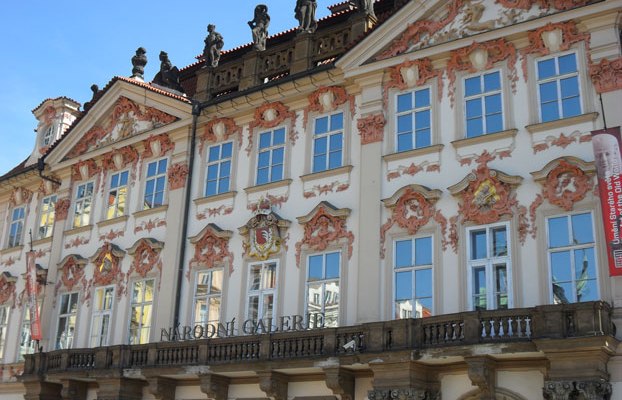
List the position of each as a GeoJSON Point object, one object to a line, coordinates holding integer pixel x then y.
{"type": "Point", "coordinates": [413, 120]}
{"type": "Point", "coordinates": [155, 184]}
{"type": "Point", "coordinates": [141, 310]}
{"type": "Point", "coordinates": [68, 312]}
{"type": "Point", "coordinates": [218, 169]}
{"type": "Point", "coordinates": [262, 290]}
{"type": "Point", "coordinates": [413, 278]}
{"type": "Point", "coordinates": [117, 195]}
{"type": "Point", "coordinates": [82, 209]}
{"type": "Point", "coordinates": [483, 104]}
{"type": "Point", "coordinates": [558, 87]}
{"type": "Point", "coordinates": [323, 286]}
{"type": "Point", "coordinates": [328, 142]}
{"type": "Point", "coordinates": [207, 297]}
{"type": "Point", "coordinates": [46, 219]}
{"type": "Point", "coordinates": [271, 156]}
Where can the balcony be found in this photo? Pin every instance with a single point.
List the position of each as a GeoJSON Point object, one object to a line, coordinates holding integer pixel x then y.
{"type": "Point", "coordinates": [445, 334]}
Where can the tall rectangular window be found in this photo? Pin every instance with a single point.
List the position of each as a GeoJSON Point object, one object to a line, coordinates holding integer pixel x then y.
{"type": "Point", "coordinates": [16, 229]}
{"type": "Point", "coordinates": [262, 278]}
{"type": "Point", "coordinates": [83, 205]}
{"type": "Point", "coordinates": [572, 258]}
{"type": "Point", "coordinates": [323, 286]}
{"type": "Point", "coordinates": [218, 169]}
{"type": "Point", "coordinates": [413, 120]}
{"type": "Point", "coordinates": [483, 104]}
{"type": "Point", "coordinates": [140, 314]}
{"type": "Point", "coordinates": [207, 297]}
{"type": "Point", "coordinates": [328, 142]}
{"type": "Point", "coordinates": [558, 87]}
{"type": "Point", "coordinates": [46, 219]}
{"type": "Point", "coordinates": [271, 156]}
{"type": "Point", "coordinates": [4, 324]}
{"type": "Point", "coordinates": [26, 344]}
{"type": "Point", "coordinates": [155, 184]}
{"type": "Point", "coordinates": [413, 278]}
{"type": "Point", "coordinates": [102, 314]}
{"type": "Point", "coordinates": [67, 315]}
{"type": "Point", "coordinates": [489, 267]}
{"type": "Point", "coordinates": [117, 195]}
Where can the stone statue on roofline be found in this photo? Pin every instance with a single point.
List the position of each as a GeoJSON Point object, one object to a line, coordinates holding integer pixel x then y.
{"type": "Point", "coordinates": [139, 60]}
{"type": "Point", "coordinates": [95, 90]}
{"type": "Point", "coordinates": [365, 6]}
{"type": "Point", "coordinates": [213, 45]}
{"type": "Point", "coordinates": [305, 14]}
{"type": "Point", "coordinates": [259, 27]}
{"type": "Point", "coordinates": [168, 76]}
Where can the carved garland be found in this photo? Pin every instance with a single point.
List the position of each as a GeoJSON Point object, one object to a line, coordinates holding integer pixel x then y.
{"type": "Point", "coordinates": [569, 36]}
{"type": "Point", "coordinates": [20, 196]}
{"type": "Point", "coordinates": [323, 229]}
{"type": "Point", "coordinates": [269, 116]}
{"type": "Point", "coordinates": [327, 99]}
{"type": "Point", "coordinates": [410, 74]}
{"type": "Point", "coordinates": [156, 146]}
{"type": "Point", "coordinates": [177, 174]}
{"type": "Point", "coordinates": [491, 52]}
{"type": "Point", "coordinates": [62, 209]}
{"type": "Point", "coordinates": [84, 170]}
{"type": "Point", "coordinates": [371, 128]}
{"type": "Point", "coordinates": [566, 185]}
{"type": "Point", "coordinates": [7, 289]}
{"type": "Point", "coordinates": [219, 129]}
{"type": "Point", "coordinates": [146, 253]}
{"type": "Point", "coordinates": [211, 248]}
{"type": "Point", "coordinates": [607, 75]}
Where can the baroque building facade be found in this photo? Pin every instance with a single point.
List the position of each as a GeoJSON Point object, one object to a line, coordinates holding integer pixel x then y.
{"type": "Point", "coordinates": [402, 203]}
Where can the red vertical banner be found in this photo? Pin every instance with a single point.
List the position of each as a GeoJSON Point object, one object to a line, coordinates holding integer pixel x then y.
{"type": "Point", "coordinates": [608, 160]}
{"type": "Point", "coordinates": [31, 291]}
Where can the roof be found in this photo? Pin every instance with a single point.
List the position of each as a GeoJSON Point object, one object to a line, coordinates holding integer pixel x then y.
{"type": "Point", "coordinates": [21, 168]}
{"type": "Point", "coordinates": [53, 99]}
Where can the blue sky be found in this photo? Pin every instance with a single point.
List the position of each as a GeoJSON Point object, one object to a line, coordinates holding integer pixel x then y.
{"type": "Point", "coordinates": [60, 48]}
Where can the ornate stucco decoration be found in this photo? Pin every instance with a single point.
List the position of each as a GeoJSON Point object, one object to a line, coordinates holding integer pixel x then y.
{"type": "Point", "coordinates": [47, 187]}
{"type": "Point", "coordinates": [118, 159]}
{"type": "Point", "coordinates": [486, 195]}
{"type": "Point", "coordinates": [107, 263]}
{"type": "Point", "coordinates": [72, 272]}
{"type": "Point", "coordinates": [177, 174]}
{"type": "Point", "coordinates": [270, 115]}
{"type": "Point", "coordinates": [412, 207]}
{"type": "Point", "coordinates": [84, 170]}
{"type": "Point", "coordinates": [263, 232]}
{"type": "Point", "coordinates": [323, 226]}
{"type": "Point", "coordinates": [146, 256]}
{"type": "Point", "coordinates": [127, 119]}
{"type": "Point", "coordinates": [371, 128]}
{"type": "Point", "coordinates": [403, 394]}
{"type": "Point", "coordinates": [482, 57]}
{"type": "Point", "coordinates": [218, 130]}
{"type": "Point", "coordinates": [607, 75]}
{"type": "Point", "coordinates": [327, 99]}
{"type": "Point", "coordinates": [211, 249]}
{"type": "Point", "coordinates": [565, 181]}
{"type": "Point", "coordinates": [7, 289]}
{"type": "Point", "coordinates": [157, 146]}
{"type": "Point", "coordinates": [62, 209]}
{"type": "Point", "coordinates": [20, 196]}
{"type": "Point", "coordinates": [553, 38]}
{"type": "Point", "coordinates": [543, 4]}
{"type": "Point", "coordinates": [412, 73]}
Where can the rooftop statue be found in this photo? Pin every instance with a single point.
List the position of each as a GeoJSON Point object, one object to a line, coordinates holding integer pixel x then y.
{"type": "Point", "coordinates": [259, 26]}
{"type": "Point", "coordinates": [305, 14]}
{"type": "Point", "coordinates": [168, 75]}
{"type": "Point", "coordinates": [95, 90]}
{"type": "Point", "coordinates": [213, 45]}
{"type": "Point", "coordinates": [365, 6]}
{"type": "Point", "coordinates": [138, 63]}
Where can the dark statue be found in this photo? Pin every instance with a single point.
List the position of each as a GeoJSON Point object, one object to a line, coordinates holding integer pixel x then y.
{"type": "Point", "coordinates": [138, 63]}
{"type": "Point", "coordinates": [213, 44]}
{"type": "Point", "coordinates": [168, 75]}
{"type": "Point", "coordinates": [259, 26]}
{"type": "Point", "coordinates": [96, 91]}
{"type": "Point", "coordinates": [365, 6]}
{"type": "Point", "coordinates": [305, 14]}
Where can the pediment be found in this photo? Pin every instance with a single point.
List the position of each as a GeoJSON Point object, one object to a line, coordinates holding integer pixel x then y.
{"type": "Point", "coordinates": [423, 24]}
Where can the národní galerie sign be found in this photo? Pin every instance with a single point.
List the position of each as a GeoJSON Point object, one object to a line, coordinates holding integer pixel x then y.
{"type": "Point", "coordinates": [288, 323]}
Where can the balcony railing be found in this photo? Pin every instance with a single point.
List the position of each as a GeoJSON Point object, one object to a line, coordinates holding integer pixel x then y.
{"type": "Point", "coordinates": [463, 329]}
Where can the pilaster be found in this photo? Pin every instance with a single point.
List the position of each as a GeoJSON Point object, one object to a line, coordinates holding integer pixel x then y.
{"type": "Point", "coordinates": [303, 47]}
{"type": "Point", "coordinates": [340, 381]}
{"type": "Point", "coordinates": [249, 77]}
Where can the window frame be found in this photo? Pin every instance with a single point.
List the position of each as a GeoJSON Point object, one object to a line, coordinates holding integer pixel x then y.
{"type": "Point", "coordinates": [4, 328]}
{"type": "Point", "coordinates": [142, 305]}
{"type": "Point", "coordinates": [557, 78]}
{"type": "Point", "coordinates": [218, 163]}
{"type": "Point", "coordinates": [116, 202]}
{"type": "Point", "coordinates": [323, 282]}
{"type": "Point", "coordinates": [47, 213]}
{"type": "Point", "coordinates": [501, 92]}
{"type": "Point", "coordinates": [489, 263]}
{"type": "Point", "coordinates": [261, 292]}
{"type": "Point", "coordinates": [47, 137]}
{"type": "Point", "coordinates": [155, 178]}
{"type": "Point", "coordinates": [208, 296]}
{"type": "Point", "coordinates": [68, 341]}
{"type": "Point", "coordinates": [271, 150]}
{"type": "Point", "coordinates": [102, 339]}
{"type": "Point", "coordinates": [413, 268]}
{"type": "Point", "coordinates": [15, 239]}
{"type": "Point", "coordinates": [25, 336]}
{"type": "Point", "coordinates": [81, 200]}
{"type": "Point", "coordinates": [412, 112]}
{"type": "Point", "coordinates": [328, 134]}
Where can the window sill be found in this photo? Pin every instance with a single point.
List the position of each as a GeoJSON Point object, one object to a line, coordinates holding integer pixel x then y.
{"type": "Point", "coordinates": [268, 186]}
{"type": "Point", "coordinates": [45, 240]}
{"type": "Point", "coordinates": [150, 211]}
{"type": "Point", "coordinates": [413, 153]}
{"type": "Point", "coordinates": [326, 174]}
{"type": "Point", "coordinates": [80, 229]}
{"type": "Point", "coordinates": [560, 123]}
{"type": "Point", "coordinates": [217, 197]}
{"type": "Point", "coordinates": [14, 249]}
{"type": "Point", "coordinates": [112, 221]}
{"type": "Point", "coordinates": [490, 137]}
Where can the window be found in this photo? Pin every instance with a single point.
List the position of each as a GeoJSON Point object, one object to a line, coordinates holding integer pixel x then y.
{"type": "Point", "coordinates": [413, 120]}
{"type": "Point", "coordinates": [17, 226]}
{"type": "Point", "coordinates": [218, 169]}
{"type": "Point", "coordinates": [84, 203]}
{"type": "Point", "coordinates": [328, 142]}
{"type": "Point", "coordinates": [262, 290]}
{"type": "Point", "coordinates": [155, 184]}
{"type": "Point", "coordinates": [117, 196]}
{"type": "Point", "coordinates": [67, 321]}
{"type": "Point", "coordinates": [207, 292]}
{"type": "Point", "coordinates": [413, 278]}
{"type": "Point", "coordinates": [102, 314]}
{"type": "Point", "coordinates": [271, 156]}
{"type": "Point", "coordinates": [26, 344]}
{"type": "Point", "coordinates": [483, 104]}
{"type": "Point", "coordinates": [48, 135]}
{"type": "Point", "coordinates": [489, 267]}
{"type": "Point", "coordinates": [46, 220]}
{"type": "Point", "coordinates": [140, 316]}
{"type": "Point", "coordinates": [323, 286]}
{"type": "Point", "coordinates": [558, 87]}
{"type": "Point", "coordinates": [4, 323]}
{"type": "Point", "coordinates": [572, 258]}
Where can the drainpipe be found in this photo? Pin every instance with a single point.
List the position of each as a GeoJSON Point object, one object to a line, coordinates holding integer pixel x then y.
{"type": "Point", "coordinates": [41, 168]}
{"type": "Point", "coordinates": [197, 107]}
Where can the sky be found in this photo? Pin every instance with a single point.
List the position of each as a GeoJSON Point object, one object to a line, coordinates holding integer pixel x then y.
{"type": "Point", "coordinates": [60, 48]}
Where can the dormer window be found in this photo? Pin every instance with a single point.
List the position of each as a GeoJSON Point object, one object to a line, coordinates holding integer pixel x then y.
{"type": "Point", "coordinates": [48, 135]}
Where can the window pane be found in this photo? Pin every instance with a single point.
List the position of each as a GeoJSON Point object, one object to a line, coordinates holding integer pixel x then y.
{"type": "Point", "coordinates": [423, 138]}
{"type": "Point", "coordinates": [492, 81]}
{"type": "Point", "coordinates": [546, 68]}
{"type": "Point", "coordinates": [314, 298]}
{"type": "Point", "coordinates": [404, 142]}
{"type": "Point", "coordinates": [404, 102]}
{"type": "Point", "coordinates": [403, 253]}
{"type": "Point", "coordinates": [216, 287]}
{"type": "Point", "coordinates": [255, 277]}
{"type": "Point", "coordinates": [263, 159]}
{"type": "Point", "coordinates": [336, 122]}
{"type": "Point", "coordinates": [332, 265]}
{"type": "Point", "coordinates": [561, 270]}
{"type": "Point", "coordinates": [404, 123]}
{"type": "Point", "coordinates": [558, 232]}
{"type": "Point", "coordinates": [422, 98]}
{"type": "Point", "coordinates": [279, 136]}
{"type": "Point", "coordinates": [253, 307]}
{"type": "Point", "coordinates": [494, 123]}
{"type": "Point", "coordinates": [321, 125]}
{"type": "Point", "coordinates": [423, 251]}
{"type": "Point", "coordinates": [499, 242]}
{"type": "Point", "coordinates": [587, 290]}
{"type": "Point", "coordinates": [478, 245]}
{"type": "Point", "coordinates": [265, 140]}
{"type": "Point", "coordinates": [479, 288]}
{"type": "Point", "coordinates": [227, 150]}
{"type": "Point", "coordinates": [269, 277]}
{"type": "Point", "coordinates": [562, 292]}
{"type": "Point", "coordinates": [582, 228]}
{"type": "Point", "coordinates": [423, 307]}
{"type": "Point", "coordinates": [161, 167]}
{"type": "Point", "coordinates": [567, 64]}
{"type": "Point", "coordinates": [548, 92]}
{"type": "Point", "coordinates": [315, 267]}
{"type": "Point", "coordinates": [472, 86]}
{"type": "Point", "coordinates": [422, 119]}
{"type": "Point", "coordinates": [569, 87]}
{"type": "Point", "coordinates": [277, 155]}
{"type": "Point", "coordinates": [493, 104]}
{"type": "Point", "coordinates": [320, 145]}
{"type": "Point", "coordinates": [423, 282]}
{"type": "Point", "coordinates": [403, 285]}
{"type": "Point", "coordinates": [585, 265]}
{"type": "Point", "coordinates": [336, 141]}
{"type": "Point", "coordinates": [334, 160]}
{"type": "Point", "coordinates": [214, 153]}
{"type": "Point", "coordinates": [550, 112]}
{"type": "Point", "coordinates": [474, 108]}
{"type": "Point", "coordinates": [571, 107]}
